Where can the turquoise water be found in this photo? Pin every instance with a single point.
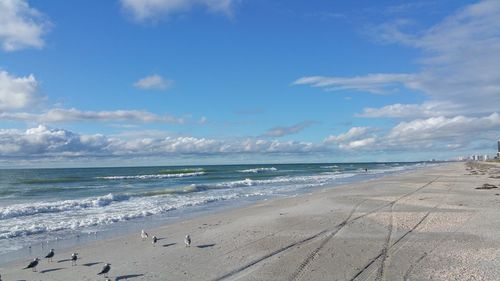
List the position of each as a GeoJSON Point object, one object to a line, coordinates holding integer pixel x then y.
{"type": "Point", "coordinates": [40, 205]}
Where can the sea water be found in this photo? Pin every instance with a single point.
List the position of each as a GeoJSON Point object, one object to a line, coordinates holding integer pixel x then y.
{"type": "Point", "coordinates": [39, 207]}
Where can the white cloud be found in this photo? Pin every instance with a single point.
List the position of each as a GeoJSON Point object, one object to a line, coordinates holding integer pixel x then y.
{"type": "Point", "coordinates": [21, 26]}
{"type": "Point", "coordinates": [380, 83]}
{"type": "Point", "coordinates": [20, 93]}
{"type": "Point", "coordinates": [353, 133]}
{"type": "Point", "coordinates": [204, 146]}
{"type": "Point", "coordinates": [154, 82]}
{"type": "Point", "coordinates": [356, 137]}
{"type": "Point", "coordinates": [434, 133]}
{"type": "Point", "coordinates": [459, 66]}
{"type": "Point", "coordinates": [431, 134]}
{"type": "Point", "coordinates": [50, 142]}
{"type": "Point", "coordinates": [133, 133]}
{"type": "Point", "coordinates": [192, 145]}
{"type": "Point", "coordinates": [42, 141]}
{"type": "Point", "coordinates": [398, 110]}
{"type": "Point", "coordinates": [17, 92]}
{"type": "Point", "coordinates": [461, 58]}
{"type": "Point", "coordinates": [283, 131]}
{"type": "Point", "coordinates": [142, 10]}
{"type": "Point", "coordinates": [358, 143]}
{"type": "Point", "coordinates": [393, 111]}
{"type": "Point", "coordinates": [61, 115]}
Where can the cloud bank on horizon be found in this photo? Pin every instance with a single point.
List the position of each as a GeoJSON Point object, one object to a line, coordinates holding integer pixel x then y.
{"type": "Point", "coordinates": [445, 102]}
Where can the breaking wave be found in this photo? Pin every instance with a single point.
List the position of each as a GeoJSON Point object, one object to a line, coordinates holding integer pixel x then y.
{"type": "Point", "coordinates": [259, 170]}
{"type": "Point", "coordinates": [30, 209]}
{"type": "Point", "coordinates": [109, 209]}
{"type": "Point", "coordinates": [329, 167]}
{"type": "Point", "coordinates": [154, 176]}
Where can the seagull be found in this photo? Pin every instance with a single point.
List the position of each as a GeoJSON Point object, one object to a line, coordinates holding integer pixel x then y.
{"type": "Point", "coordinates": [33, 264]}
{"type": "Point", "coordinates": [74, 257]}
{"type": "Point", "coordinates": [105, 270]}
{"type": "Point", "coordinates": [144, 235]}
{"type": "Point", "coordinates": [155, 239]}
{"type": "Point", "coordinates": [187, 240]}
{"type": "Point", "coordinates": [50, 255]}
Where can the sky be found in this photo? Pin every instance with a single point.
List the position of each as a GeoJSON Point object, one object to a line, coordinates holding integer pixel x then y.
{"type": "Point", "coordinates": [167, 82]}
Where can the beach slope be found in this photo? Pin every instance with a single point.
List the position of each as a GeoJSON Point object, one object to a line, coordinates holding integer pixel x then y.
{"type": "Point", "coordinates": [427, 224]}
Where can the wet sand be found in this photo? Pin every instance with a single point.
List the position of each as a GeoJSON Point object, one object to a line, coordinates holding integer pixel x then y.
{"type": "Point", "coordinates": [429, 224]}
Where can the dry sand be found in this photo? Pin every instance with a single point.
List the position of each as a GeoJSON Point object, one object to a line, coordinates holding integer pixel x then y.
{"type": "Point", "coordinates": [430, 224]}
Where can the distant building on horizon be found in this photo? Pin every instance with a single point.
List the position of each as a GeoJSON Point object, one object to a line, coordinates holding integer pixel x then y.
{"type": "Point", "coordinates": [498, 152]}
{"type": "Point", "coordinates": [478, 157]}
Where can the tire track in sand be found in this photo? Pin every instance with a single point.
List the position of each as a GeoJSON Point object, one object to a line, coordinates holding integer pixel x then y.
{"type": "Point", "coordinates": [367, 270]}
{"type": "Point", "coordinates": [280, 250]}
{"type": "Point", "coordinates": [381, 269]}
{"type": "Point", "coordinates": [310, 238]}
{"type": "Point", "coordinates": [307, 261]}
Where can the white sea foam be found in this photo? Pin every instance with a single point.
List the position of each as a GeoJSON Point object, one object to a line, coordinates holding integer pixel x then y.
{"type": "Point", "coordinates": [29, 209]}
{"type": "Point", "coordinates": [293, 181]}
{"type": "Point", "coordinates": [154, 176]}
{"type": "Point", "coordinates": [382, 171]}
{"type": "Point", "coordinates": [259, 170]}
{"type": "Point", "coordinates": [101, 214]}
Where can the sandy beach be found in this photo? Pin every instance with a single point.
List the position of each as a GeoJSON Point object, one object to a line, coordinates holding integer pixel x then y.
{"type": "Point", "coordinates": [428, 224]}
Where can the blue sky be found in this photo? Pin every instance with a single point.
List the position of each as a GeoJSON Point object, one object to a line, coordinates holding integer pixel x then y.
{"type": "Point", "coordinates": [230, 81]}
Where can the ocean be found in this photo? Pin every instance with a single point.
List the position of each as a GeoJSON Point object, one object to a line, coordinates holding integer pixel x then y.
{"type": "Point", "coordinates": [40, 208]}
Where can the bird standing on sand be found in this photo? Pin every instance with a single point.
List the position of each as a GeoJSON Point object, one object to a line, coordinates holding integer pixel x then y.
{"type": "Point", "coordinates": [155, 239]}
{"type": "Point", "coordinates": [144, 235]}
{"type": "Point", "coordinates": [50, 255]}
{"type": "Point", "coordinates": [187, 241]}
{"type": "Point", "coordinates": [105, 270]}
{"type": "Point", "coordinates": [74, 257]}
{"type": "Point", "coordinates": [33, 264]}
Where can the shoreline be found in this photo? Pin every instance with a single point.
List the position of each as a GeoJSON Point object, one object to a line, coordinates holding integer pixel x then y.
{"type": "Point", "coordinates": [80, 237]}
{"type": "Point", "coordinates": [313, 235]}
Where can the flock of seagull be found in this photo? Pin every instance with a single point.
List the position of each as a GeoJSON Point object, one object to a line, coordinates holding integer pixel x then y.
{"type": "Point", "coordinates": [107, 266]}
